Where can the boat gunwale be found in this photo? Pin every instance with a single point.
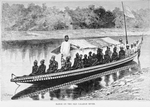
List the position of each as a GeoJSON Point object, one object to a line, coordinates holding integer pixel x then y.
{"type": "Point", "coordinates": [75, 72]}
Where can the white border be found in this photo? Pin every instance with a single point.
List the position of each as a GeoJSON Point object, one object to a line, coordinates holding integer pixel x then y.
{"type": "Point", "coordinates": [52, 103]}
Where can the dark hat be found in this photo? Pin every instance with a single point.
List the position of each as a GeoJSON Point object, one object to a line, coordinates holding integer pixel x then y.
{"type": "Point", "coordinates": [99, 49]}
{"type": "Point", "coordinates": [85, 55]}
{"type": "Point", "coordinates": [115, 47]}
{"type": "Point", "coordinates": [42, 61]}
{"type": "Point", "coordinates": [66, 36]}
{"type": "Point", "coordinates": [77, 54]}
{"type": "Point", "coordinates": [35, 61]}
{"type": "Point", "coordinates": [90, 52]}
{"type": "Point", "coordinates": [68, 57]}
{"type": "Point", "coordinates": [53, 56]}
{"type": "Point", "coordinates": [108, 47]}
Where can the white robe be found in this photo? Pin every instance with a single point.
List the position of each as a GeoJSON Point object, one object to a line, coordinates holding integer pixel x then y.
{"type": "Point", "coordinates": [132, 51]}
{"type": "Point", "coordinates": [127, 52]}
{"type": "Point", "coordinates": [65, 49]}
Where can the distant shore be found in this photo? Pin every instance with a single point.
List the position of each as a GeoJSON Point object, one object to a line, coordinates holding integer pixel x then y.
{"type": "Point", "coordinates": [73, 34]}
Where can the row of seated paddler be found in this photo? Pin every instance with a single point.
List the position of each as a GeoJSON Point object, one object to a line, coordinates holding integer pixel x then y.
{"type": "Point", "coordinates": [91, 59]}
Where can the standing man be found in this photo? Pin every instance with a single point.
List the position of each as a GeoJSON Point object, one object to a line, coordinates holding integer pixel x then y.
{"type": "Point", "coordinates": [120, 45]}
{"type": "Point", "coordinates": [65, 47]}
{"type": "Point", "coordinates": [132, 49]}
{"type": "Point", "coordinates": [127, 51]}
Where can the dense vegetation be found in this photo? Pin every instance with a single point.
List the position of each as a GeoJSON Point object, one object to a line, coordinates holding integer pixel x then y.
{"type": "Point", "coordinates": [17, 17]}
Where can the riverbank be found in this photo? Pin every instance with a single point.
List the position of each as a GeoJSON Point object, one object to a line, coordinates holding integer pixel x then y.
{"type": "Point", "coordinates": [73, 34]}
{"type": "Point", "coordinates": [132, 87]}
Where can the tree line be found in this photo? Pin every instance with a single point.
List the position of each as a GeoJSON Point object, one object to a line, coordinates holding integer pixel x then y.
{"type": "Point", "coordinates": [17, 17]}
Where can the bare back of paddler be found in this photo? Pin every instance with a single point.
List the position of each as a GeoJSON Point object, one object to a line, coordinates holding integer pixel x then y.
{"type": "Point", "coordinates": [76, 61]}
{"type": "Point", "coordinates": [67, 64]}
{"type": "Point", "coordinates": [115, 55]}
{"type": "Point", "coordinates": [42, 68]}
{"type": "Point", "coordinates": [121, 53]}
{"type": "Point", "coordinates": [34, 68]}
{"type": "Point", "coordinates": [53, 66]}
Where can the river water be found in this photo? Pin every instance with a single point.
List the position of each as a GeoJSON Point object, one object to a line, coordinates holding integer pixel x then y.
{"type": "Point", "coordinates": [18, 57]}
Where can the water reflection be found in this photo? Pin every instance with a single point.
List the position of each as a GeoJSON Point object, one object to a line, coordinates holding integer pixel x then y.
{"type": "Point", "coordinates": [61, 94]}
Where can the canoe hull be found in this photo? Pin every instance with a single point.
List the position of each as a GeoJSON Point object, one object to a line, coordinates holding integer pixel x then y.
{"type": "Point", "coordinates": [55, 84]}
{"type": "Point", "coordinates": [73, 74]}
{"type": "Point", "coordinates": [76, 77]}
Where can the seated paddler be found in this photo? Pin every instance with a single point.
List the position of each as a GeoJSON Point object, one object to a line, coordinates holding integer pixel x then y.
{"type": "Point", "coordinates": [90, 58]}
{"type": "Point", "coordinates": [107, 58]}
{"type": "Point", "coordinates": [34, 68]}
{"type": "Point", "coordinates": [42, 68]}
{"type": "Point", "coordinates": [109, 52]}
{"type": "Point", "coordinates": [76, 61]}
{"type": "Point", "coordinates": [115, 55]}
{"type": "Point", "coordinates": [80, 63]}
{"type": "Point", "coordinates": [68, 64]}
{"type": "Point", "coordinates": [53, 66]}
{"type": "Point", "coordinates": [100, 55]}
{"type": "Point", "coordinates": [94, 60]}
{"type": "Point", "coordinates": [121, 53]}
{"type": "Point", "coordinates": [85, 61]}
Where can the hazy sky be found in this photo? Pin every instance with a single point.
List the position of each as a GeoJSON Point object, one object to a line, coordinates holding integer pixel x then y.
{"type": "Point", "coordinates": [107, 4]}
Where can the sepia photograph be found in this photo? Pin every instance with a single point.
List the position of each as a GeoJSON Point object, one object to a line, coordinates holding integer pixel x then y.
{"type": "Point", "coordinates": [75, 50]}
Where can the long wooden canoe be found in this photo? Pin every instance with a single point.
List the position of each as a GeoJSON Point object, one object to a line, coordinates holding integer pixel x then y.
{"type": "Point", "coordinates": [69, 75]}
{"type": "Point", "coordinates": [75, 74]}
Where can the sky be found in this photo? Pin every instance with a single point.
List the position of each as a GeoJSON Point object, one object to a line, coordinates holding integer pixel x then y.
{"type": "Point", "coordinates": [107, 4]}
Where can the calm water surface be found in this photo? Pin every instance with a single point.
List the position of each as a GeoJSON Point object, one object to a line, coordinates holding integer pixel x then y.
{"type": "Point", "coordinates": [18, 57]}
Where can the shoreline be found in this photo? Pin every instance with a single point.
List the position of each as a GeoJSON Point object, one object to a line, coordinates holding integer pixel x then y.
{"type": "Point", "coordinates": [73, 34]}
{"type": "Point", "coordinates": [130, 87]}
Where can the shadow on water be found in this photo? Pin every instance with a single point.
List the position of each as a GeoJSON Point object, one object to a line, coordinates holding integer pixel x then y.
{"type": "Point", "coordinates": [66, 92]}
{"type": "Point", "coordinates": [77, 90]}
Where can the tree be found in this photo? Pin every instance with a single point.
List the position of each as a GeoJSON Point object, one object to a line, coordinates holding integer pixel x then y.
{"type": "Point", "coordinates": [118, 17]}
{"type": "Point", "coordinates": [100, 12]}
{"type": "Point", "coordinates": [42, 18]}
